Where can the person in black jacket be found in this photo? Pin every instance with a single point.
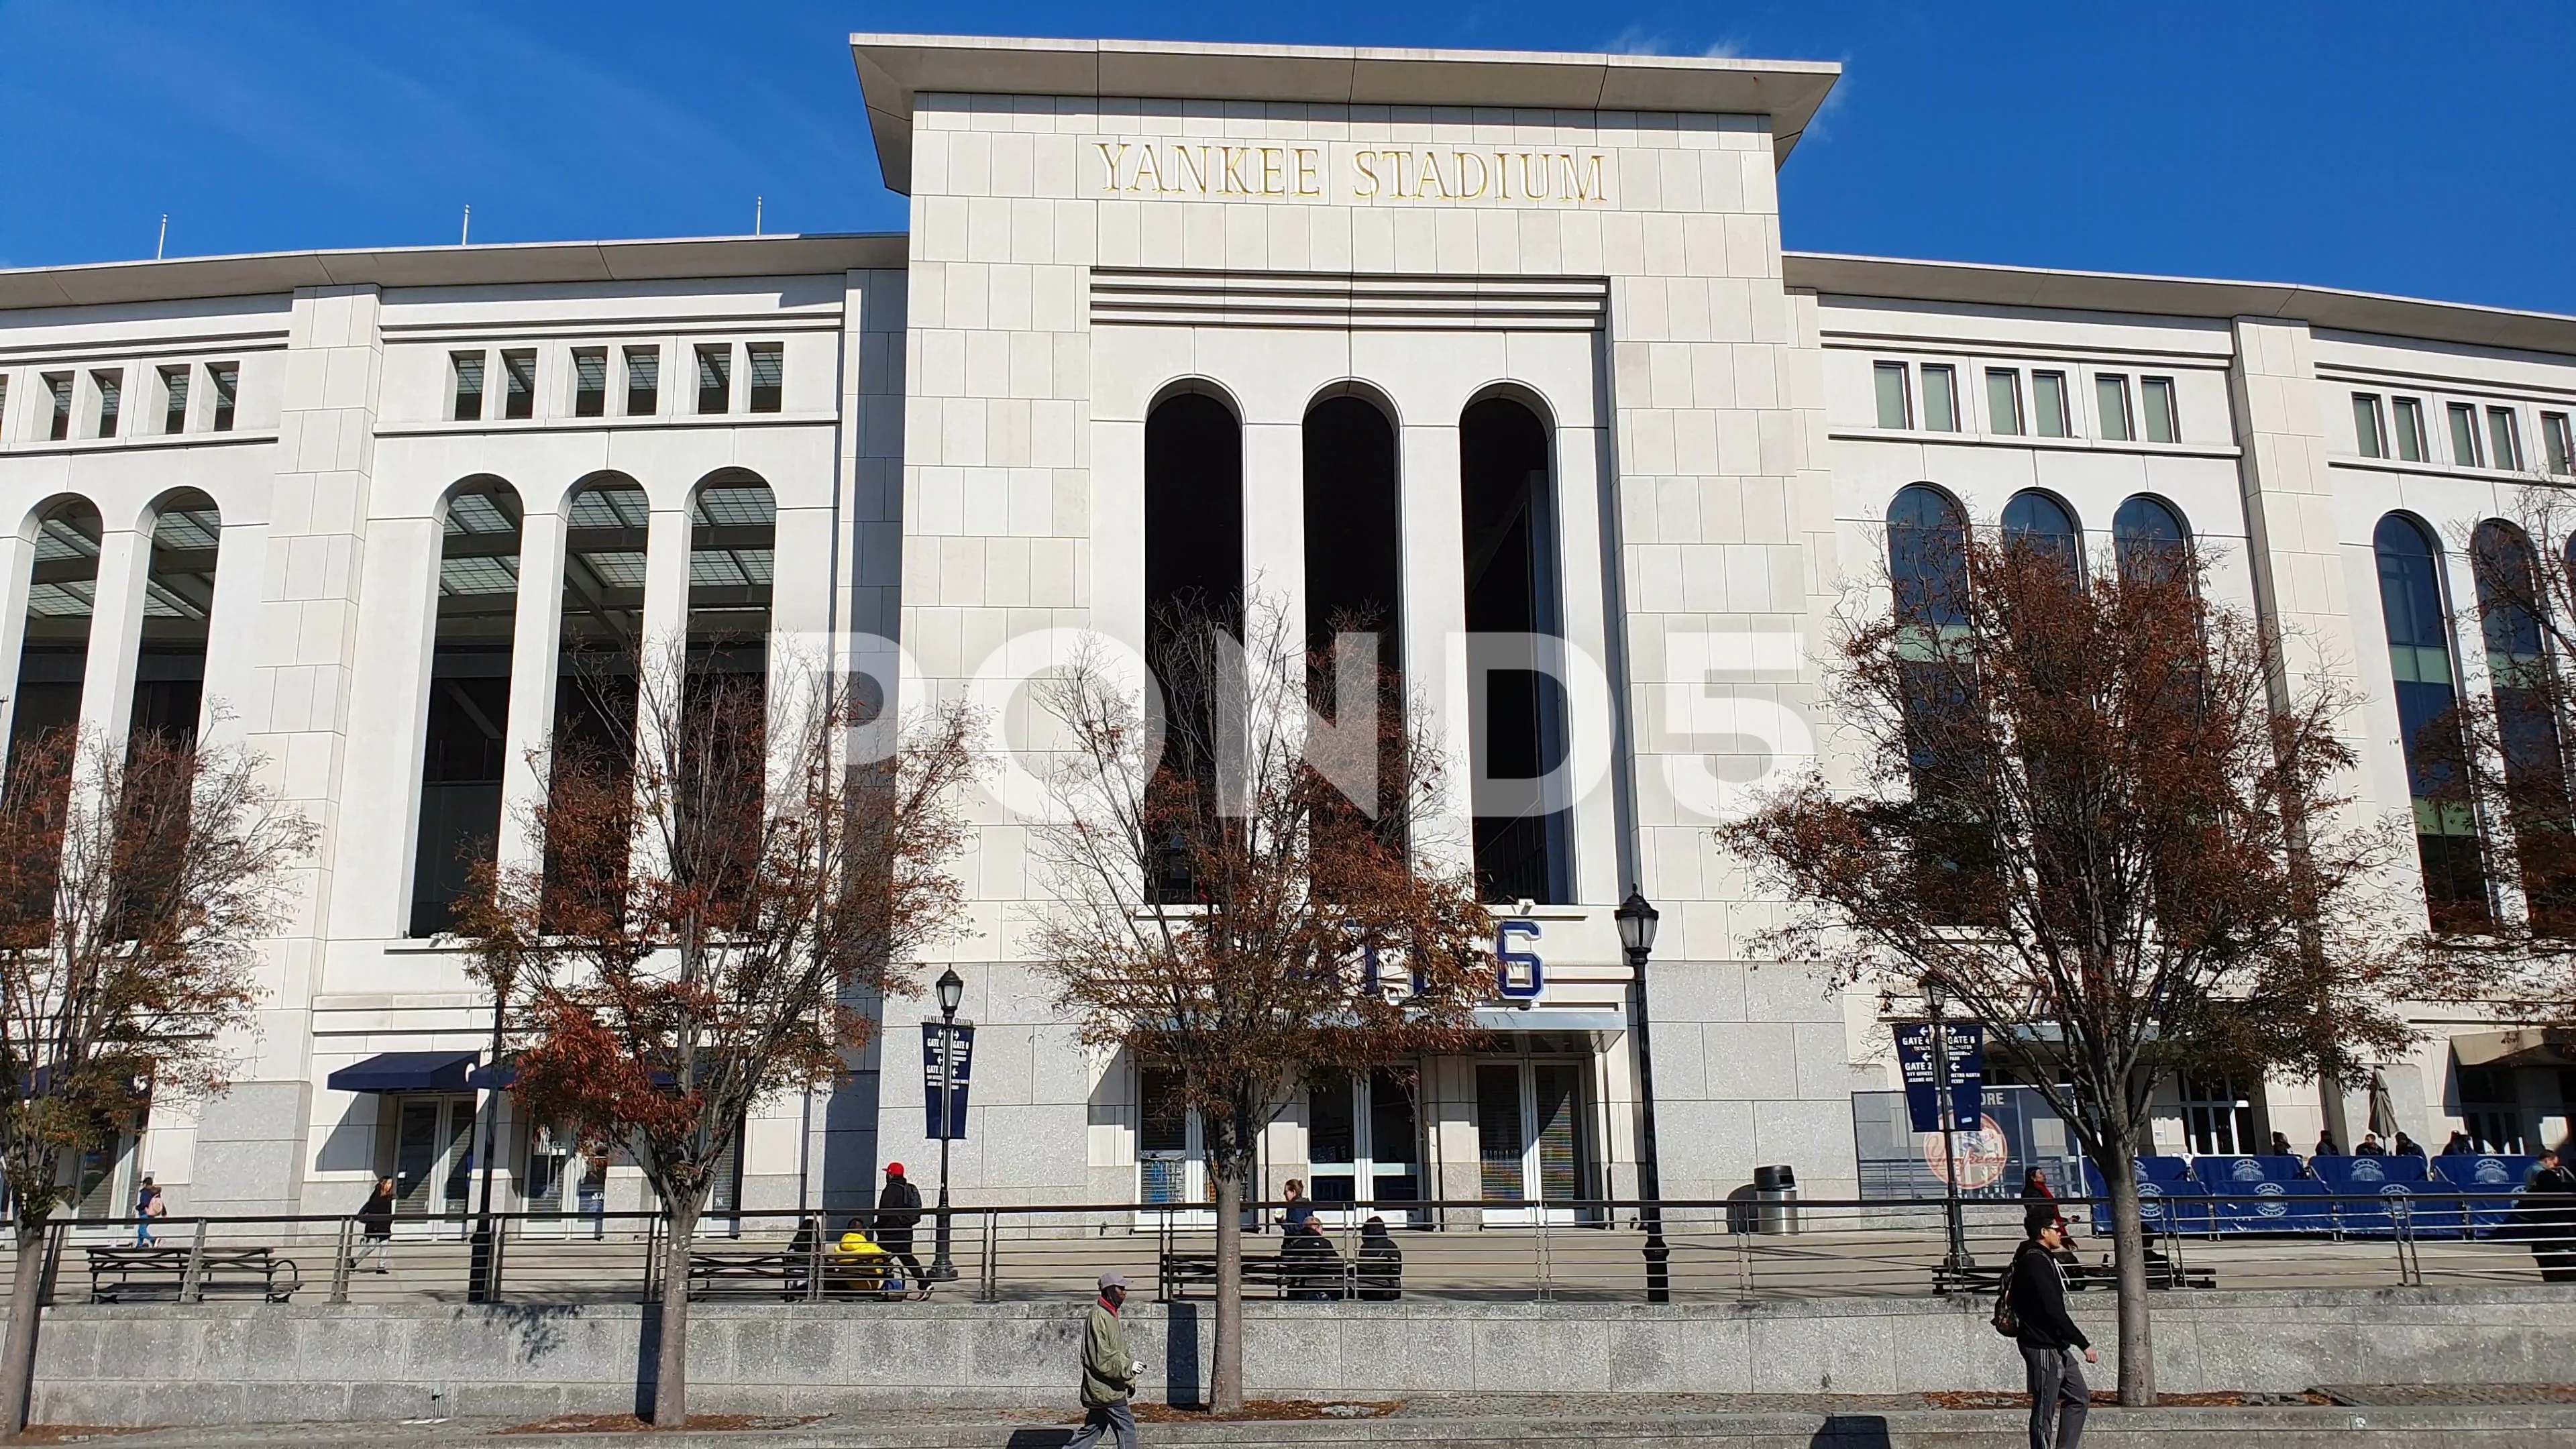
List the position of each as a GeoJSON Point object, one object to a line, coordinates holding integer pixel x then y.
{"type": "Point", "coordinates": [375, 1226]}
{"type": "Point", "coordinates": [2545, 1217]}
{"type": "Point", "coordinates": [2059, 1397]}
{"type": "Point", "coordinates": [898, 1213]}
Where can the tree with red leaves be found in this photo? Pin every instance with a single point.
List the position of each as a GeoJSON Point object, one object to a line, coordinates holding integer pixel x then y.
{"type": "Point", "coordinates": [2091, 812]}
{"type": "Point", "coordinates": [136, 879]}
{"type": "Point", "coordinates": [727, 879]}
{"type": "Point", "coordinates": [1241, 893]}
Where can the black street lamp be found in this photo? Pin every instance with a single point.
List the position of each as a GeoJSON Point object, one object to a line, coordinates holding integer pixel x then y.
{"type": "Point", "coordinates": [483, 1255]}
{"type": "Point", "coordinates": [1637, 918]}
{"type": "Point", "coordinates": [1937, 1001]}
{"type": "Point", "coordinates": [952, 994]}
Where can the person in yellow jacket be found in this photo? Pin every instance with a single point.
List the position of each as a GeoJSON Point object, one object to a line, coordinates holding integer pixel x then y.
{"type": "Point", "coordinates": [1108, 1374]}
{"type": "Point", "coordinates": [858, 1265]}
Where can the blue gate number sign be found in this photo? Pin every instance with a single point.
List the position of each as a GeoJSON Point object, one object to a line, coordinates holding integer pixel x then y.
{"type": "Point", "coordinates": [954, 1129]}
{"type": "Point", "coordinates": [1966, 1041]}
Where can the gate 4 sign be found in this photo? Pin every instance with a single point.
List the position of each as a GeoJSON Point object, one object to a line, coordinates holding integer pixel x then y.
{"type": "Point", "coordinates": [1966, 1044]}
{"type": "Point", "coordinates": [957, 1043]}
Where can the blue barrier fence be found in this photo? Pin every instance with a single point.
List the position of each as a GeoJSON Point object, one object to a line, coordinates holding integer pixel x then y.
{"type": "Point", "coordinates": [2461, 1196]}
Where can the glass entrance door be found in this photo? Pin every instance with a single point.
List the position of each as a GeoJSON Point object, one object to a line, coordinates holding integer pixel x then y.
{"type": "Point", "coordinates": [433, 1159]}
{"type": "Point", "coordinates": [1529, 1138]}
{"type": "Point", "coordinates": [1171, 1166]}
{"type": "Point", "coordinates": [1363, 1143]}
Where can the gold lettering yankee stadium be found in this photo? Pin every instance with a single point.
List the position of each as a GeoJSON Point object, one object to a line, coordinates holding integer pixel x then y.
{"type": "Point", "coordinates": [1224, 172]}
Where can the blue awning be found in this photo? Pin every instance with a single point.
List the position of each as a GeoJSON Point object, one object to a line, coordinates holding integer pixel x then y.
{"type": "Point", "coordinates": [496, 1078]}
{"type": "Point", "coordinates": [407, 1072]}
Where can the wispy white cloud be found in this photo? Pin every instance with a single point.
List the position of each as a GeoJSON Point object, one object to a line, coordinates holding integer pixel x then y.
{"type": "Point", "coordinates": [1637, 40]}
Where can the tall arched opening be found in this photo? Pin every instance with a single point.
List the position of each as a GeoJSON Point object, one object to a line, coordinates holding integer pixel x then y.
{"type": "Point", "coordinates": [465, 746]}
{"type": "Point", "coordinates": [1507, 513]}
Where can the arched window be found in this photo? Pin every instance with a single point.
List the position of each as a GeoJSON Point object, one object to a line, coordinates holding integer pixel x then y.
{"type": "Point", "coordinates": [2519, 674]}
{"type": "Point", "coordinates": [2148, 536]}
{"type": "Point", "coordinates": [1927, 561]}
{"type": "Point", "coordinates": [1354, 579]}
{"type": "Point", "coordinates": [1524, 841]}
{"type": "Point", "coordinates": [1927, 557]}
{"type": "Point", "coordinates": [178, 613]}
{"type": "Point", "coordinates": [465, 750]}
{"type": "Point", "coordinates": [733, 542]}
{"type": "Point", "coordinates": [2039, 522]}
{"type": "Point", "coordinates": [62, 595]}
{"type": "Point", "coordinates": [2419, 656]}
{"type": "Point", "coordinates": [608, 527]}
{"type": "Point", "coordinates": [1193, 564]}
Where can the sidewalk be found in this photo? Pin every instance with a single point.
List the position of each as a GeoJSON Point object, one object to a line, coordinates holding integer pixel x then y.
{"type": "Point", "coordinates": [1483, 1421]}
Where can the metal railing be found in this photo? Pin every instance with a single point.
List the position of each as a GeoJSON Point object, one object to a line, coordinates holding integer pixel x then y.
{"type": "Point", "coordinates": [1592, 1251]}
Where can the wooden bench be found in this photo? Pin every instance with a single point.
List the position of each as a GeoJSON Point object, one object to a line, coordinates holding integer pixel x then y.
{"type": "Point", "coordinates": [114, 1273]}
{"type": "Point", "coordinates": [1330, 1277]}
{"type": "Point", "coordinates": [784, 1273]}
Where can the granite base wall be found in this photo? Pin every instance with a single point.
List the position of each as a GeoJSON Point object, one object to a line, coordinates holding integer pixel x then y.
{"type": "Point", "coordinates": [248, 1362]}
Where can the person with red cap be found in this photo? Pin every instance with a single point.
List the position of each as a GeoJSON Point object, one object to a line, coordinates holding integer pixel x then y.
{"type": "Point", "coordinates": [898, 1213]}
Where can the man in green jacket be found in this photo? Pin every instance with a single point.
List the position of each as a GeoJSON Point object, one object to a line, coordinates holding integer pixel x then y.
{"type": "Point", "coordinates": [1108, 1374]}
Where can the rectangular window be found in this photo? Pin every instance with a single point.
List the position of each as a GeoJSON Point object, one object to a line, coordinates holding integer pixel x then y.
{"type": "Point", "coordinates": [519, 381]}
{"type": "Point", "coordinates": [2464, 436]}
{"type": "Point", "coordinates": [2003, 401]}
{"type": "Point", "coordinates": [768, 376]}
{"type": "Point", "coordinates": [643, 381]}
{"type": "Point", "coordinates": [2048, 396]}
{"type": "Point", "coordinates": [2410, 429]}
{"type": "Point", "coordinates": [2504, 439]}
{"type": "Point", "coordinates": [2369, 432]}
{"type": "Point", "coordinates": [60, 385]}
{"type": "Point", "coordinates": [1894, 410]}
{"type": "Point", "coordinates": [1940, 399]}
{"type": "Point", "coordinates": [111, 398]}
{"type": "Point", "coordinates": [589, 382]}
{"type": "Point", "coordinates": [227, 380]}
{"type": "Point", "coordinates": [2111, 399]}
{"type": "Point", "coordinates": [715, 379]}
{"type": "Point", "coordinates": [2560, 442]}
{"type": "Point", "coordinates": [469, 386]}
{"type": "Point", "coordinates": [174, 399]}
{"type": "Point", "coordinates": [2164, 425]}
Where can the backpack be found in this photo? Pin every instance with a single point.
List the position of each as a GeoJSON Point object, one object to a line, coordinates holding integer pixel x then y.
{"type": "Point", "coordinates": [2005, 1320]}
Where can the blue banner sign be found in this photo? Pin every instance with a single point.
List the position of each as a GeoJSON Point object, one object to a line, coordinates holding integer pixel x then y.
{"type": "Point", "coordinates": [1966, 1044]}
{"type": "Point", "coordinates": [958, 1039]}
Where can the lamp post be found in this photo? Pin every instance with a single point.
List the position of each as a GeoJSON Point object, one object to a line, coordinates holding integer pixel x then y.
{"type": "Point", "coordinates": [483, 1258]}
{"type": "Point", "coordinates": [952, 992]}
{"type": "Point", "coordinates": [1637, 917]}
{"type": "Point", "coordinates": [1938, 1001]}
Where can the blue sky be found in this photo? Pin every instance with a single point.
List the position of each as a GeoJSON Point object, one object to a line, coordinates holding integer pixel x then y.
{"type": "Point", "coordinates": [2408, 149]}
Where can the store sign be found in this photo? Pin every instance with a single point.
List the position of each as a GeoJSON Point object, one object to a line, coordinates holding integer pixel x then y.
{"type": "Point", "coordinates": [1966, 1045]}
{"type": "Point", "coordinates": [1519, 972]}
{"type": "Point", "coordinates": [956, 1043]}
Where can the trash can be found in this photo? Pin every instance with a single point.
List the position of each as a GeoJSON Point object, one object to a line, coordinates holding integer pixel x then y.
{"type": "Point", "coordinates": [1775, 1188]}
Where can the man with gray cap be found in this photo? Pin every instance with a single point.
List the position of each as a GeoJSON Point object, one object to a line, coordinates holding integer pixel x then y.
{"type": "Point", "coordinates": [1108, 1374]}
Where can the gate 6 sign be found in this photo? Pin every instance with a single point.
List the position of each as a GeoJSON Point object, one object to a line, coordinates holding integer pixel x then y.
{"type": "Point", "coordinates": [1519, 973]}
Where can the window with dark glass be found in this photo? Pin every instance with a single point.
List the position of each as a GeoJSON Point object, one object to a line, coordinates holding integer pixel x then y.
{"type": "Point", "coordinates": [643, 381]}
{"type": "Point", "coordinates": [519, 383]}
{"type": "Point", "coordinates": [768, 376]}
{"type": "Point", "coordinates": [226, 377]}
{"type": "Point", "coordinates": [715, 378]}
{"type": "Point", "coordinates": [2111, 401]}
{"type": "Point", "coordinates": [468, 367]}
{"type": "Point", "coordinates": [2041, 523]}
{"type": "Point", "coordinates": [59, 385]}
{"type": "Point", "coordinates": [2560, 444]}
{"type": "Point", "coordinates": [174, 399]}
{"type": "Point", "coordinates": [2504, 439]}
{"type": "Point", "coordinates": [2003, 401]}
{"type": "Point", "coordinates": [2148, 535]}
{"type": "Point", "coordinates": [465, 750]}
{"type": "Point", "coordinates": [2519, 679]}
{"type": "Point", "coordinates": [589, 382]}
{"type": "Point", "coordinates": [111, 400]}
{"type": "Point", "coordinates": [2419, 658]}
